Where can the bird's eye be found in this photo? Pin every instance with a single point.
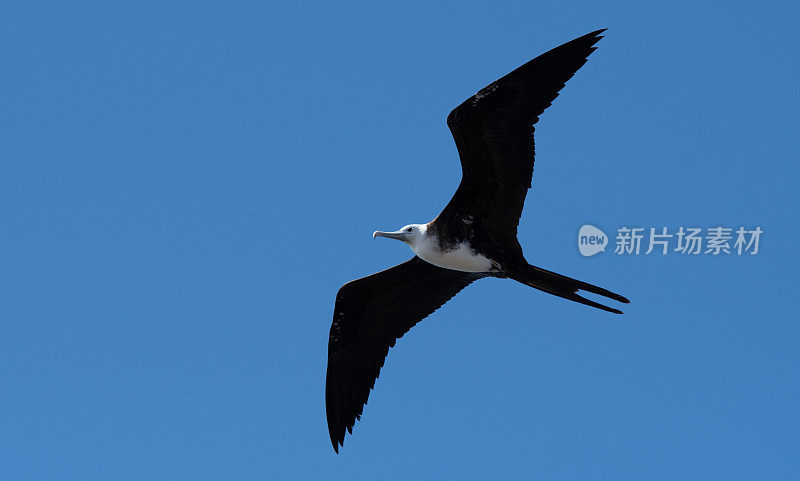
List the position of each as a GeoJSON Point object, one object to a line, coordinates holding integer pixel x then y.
{"type": "Point", "coordinates": [409, 229]}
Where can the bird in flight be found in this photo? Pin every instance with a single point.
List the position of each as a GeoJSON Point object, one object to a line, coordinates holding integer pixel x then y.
{"type": "Point", "coordinates": [474, 236]}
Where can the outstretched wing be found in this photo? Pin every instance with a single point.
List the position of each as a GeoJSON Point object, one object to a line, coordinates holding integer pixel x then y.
{"type": "Point", "coordinates": [493, 131]}
{"type": "Point", "coordinates": [371, 313]}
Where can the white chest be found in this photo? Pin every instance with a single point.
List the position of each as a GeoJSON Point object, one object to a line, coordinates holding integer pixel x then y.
{"type": "Point", "coordinates": [462, 258]}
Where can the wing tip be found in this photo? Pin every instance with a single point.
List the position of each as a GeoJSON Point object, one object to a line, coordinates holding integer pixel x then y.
{"type": "Point", "coordinates": [597, 33]}
{"type": "Point", "coordinates": [336, 431]}
{"type": "Point", "coordinates": [591, 37]}
{"type": "Point", "coordinates": [338, 435]}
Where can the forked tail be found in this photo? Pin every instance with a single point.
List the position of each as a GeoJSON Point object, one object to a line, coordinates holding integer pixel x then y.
{"type": "Point", "coordinates": [563, 286]}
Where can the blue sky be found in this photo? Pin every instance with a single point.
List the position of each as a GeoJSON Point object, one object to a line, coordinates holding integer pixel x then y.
{"type": "Point", "coordinates": [186, 185]}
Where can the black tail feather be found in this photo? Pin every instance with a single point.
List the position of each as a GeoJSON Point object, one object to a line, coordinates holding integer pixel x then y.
{"type": "Point", "coordinates": [566, 287]}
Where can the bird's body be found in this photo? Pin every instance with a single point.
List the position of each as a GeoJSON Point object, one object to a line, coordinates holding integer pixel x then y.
{"type": "Point", "coordinates": [462, 257]}
{"type": "Point", "coordinates": [459, 254]}
{"type": "Point", "coordinates": [474, 236]}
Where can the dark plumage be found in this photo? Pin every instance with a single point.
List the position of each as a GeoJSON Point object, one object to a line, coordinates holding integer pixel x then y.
{"type": "Point", "coordinates": [493, 131]}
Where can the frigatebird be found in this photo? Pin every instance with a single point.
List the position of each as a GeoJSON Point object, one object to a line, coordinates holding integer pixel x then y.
{"type": "Point", "coordinates": [474, 236]}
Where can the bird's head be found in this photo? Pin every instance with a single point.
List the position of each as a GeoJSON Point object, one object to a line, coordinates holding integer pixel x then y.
{"type": "Point", "coordinates": [410, 234]}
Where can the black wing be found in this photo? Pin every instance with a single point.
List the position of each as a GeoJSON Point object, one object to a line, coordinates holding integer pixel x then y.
{"type": "Point", "coordinates": [371, 313]}
{"type": "Point", "coordinates": [493, 131]}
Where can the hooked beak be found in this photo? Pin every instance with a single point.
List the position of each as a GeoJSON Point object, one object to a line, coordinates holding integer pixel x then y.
{"type": "Point", "coordinates": [399, 235]}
